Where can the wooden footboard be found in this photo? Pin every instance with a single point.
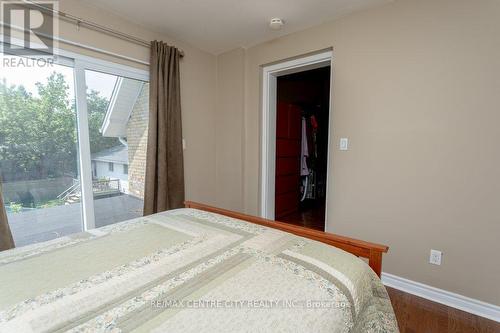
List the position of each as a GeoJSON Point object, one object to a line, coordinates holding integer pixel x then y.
{"type": "Point", "coordinates": [373, 252]}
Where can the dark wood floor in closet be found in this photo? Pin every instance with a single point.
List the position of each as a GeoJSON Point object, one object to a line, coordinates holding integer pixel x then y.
{"type": "Point", "coordinates": [313, 217]}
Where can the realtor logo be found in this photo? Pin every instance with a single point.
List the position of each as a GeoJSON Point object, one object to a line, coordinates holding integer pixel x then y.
{"type": "Point", "coordinates": [28, 27]}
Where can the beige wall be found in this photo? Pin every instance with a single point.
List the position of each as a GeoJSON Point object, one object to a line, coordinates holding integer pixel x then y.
{"type": "Point", "coordinates": [416, 87]}
{"type": "Point", "coordinates": [229, 128]}
{"type": "Point", "coordinates": [198, 91]}
{"type": "Point", "coordinates": [415, 90]}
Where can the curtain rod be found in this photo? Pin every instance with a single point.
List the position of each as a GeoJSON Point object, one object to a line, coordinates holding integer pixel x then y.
{"type": "Point", "coordinates": [94, 26]}
{"type": "Point", "coordinates": [79, 45]}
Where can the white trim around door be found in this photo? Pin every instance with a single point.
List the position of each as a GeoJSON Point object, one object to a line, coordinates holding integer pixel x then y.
{"type": "Point", "coordinates": [270, 74]}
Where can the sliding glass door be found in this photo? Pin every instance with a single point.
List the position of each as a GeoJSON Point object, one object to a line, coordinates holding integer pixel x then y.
{"type": "Point", "coordinates": [117, 110]}
{"type": "Point", "coordinates": [73, 139]}
{"type": "Point", "coordinates": [39, 151]}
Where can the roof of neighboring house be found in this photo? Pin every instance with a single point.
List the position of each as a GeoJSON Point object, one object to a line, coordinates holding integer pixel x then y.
{"type": "Point", "coordinates": [120, 107]}
{"type": "Point", "coordinates": [117, 154]}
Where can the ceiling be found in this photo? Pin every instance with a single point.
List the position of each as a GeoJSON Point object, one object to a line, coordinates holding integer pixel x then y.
{"type": "Point", "coordinates": [221, 25]}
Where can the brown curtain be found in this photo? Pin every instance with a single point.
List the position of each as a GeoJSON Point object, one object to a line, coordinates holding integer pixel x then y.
{"type": "Point", "coordinates": [164, 183]}
{"type": "Point", "coordinates": [6, 240]}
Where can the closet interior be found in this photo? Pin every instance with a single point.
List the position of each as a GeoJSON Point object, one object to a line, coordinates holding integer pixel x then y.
{"type": "Point", "coordinates": [302, 132]}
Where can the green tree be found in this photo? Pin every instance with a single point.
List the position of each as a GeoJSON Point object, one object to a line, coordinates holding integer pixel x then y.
{"type": "Point", "coordinates": [96, 107]}
{"type": "Point", "coordinates": [38, 137]}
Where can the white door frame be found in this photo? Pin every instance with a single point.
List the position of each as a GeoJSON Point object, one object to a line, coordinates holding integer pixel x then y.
{"type": "Point", "coordinates": [268, 142]}
{"type": "Point", "coordinates": [81, 64]}
{"type": "Point", "coordinates": [85, 165]}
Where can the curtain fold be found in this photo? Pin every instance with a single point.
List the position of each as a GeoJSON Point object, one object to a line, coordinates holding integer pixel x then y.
{"type": "Point", "coordinates": [6, 240]}
{"type": "Point", "coordinates": [164, 182]}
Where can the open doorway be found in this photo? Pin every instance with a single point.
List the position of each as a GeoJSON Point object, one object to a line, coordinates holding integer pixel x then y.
{"type": "Point", "coordinates": [302, 119]}
{"type": "Point", "coordinates": [296, 124]}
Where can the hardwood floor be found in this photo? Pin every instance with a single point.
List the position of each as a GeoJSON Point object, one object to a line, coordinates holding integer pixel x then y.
{"type": "Point", "coordinates": [418, 315]}
{"type": "Point", "coordinates": [311, 215]}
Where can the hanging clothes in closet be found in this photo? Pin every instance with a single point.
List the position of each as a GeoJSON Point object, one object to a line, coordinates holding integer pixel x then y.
{"type": "Point", "coordinates": [308, 160]}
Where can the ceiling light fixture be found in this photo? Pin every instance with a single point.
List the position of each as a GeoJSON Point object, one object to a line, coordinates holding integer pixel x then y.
{"type": "Point", "coordinates": [276, 23]}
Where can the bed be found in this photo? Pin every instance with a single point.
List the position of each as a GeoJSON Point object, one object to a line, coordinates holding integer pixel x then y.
{"type": "Point", "coordinates": [195, 269]}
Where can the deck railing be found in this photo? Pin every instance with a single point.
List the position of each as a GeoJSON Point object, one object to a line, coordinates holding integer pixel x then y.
{"type": "Point", "coordinates": [99, 187]}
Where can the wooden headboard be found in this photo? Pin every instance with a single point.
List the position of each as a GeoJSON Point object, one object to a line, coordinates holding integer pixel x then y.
{"type": "Point", "coordinates": [373, 252]}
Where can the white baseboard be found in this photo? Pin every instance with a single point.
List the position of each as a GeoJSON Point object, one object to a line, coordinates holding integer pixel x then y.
{"type": "Point", "coordinates": [457, 301]}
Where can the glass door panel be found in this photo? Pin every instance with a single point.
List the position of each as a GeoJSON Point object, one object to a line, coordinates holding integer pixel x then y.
{"type": "Point", "coordinates": [39, 150]}
{"type": "Point", "coordinates": [117, 110]}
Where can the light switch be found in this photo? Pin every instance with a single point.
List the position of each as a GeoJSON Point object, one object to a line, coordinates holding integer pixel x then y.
{"type": "Point", "coordinates": [344, 143]}
{"type": "Point", "coordinates": [183, 144]}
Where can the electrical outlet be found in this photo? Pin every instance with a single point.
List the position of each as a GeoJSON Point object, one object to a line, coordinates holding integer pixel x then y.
{"type": "Point", "coordinates": [435, 257]}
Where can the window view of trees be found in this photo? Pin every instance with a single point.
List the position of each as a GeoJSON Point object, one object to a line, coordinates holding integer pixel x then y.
{"type": "Point", "coordinates": [38, 136]}
{"type": "Point", "coordinates": [39, 149]}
